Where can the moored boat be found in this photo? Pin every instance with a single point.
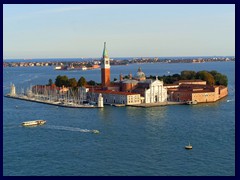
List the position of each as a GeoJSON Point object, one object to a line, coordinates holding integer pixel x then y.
{"type": "Point", "coordinates": [191, 102]}
{"type": "Point", "coordinates": [33, 123]}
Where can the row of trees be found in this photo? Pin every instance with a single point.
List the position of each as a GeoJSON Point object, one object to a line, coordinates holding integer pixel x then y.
{"type": "Point", "coordinates": [211, 77]}
{"type": "Point", "coordinates": [71, 82]}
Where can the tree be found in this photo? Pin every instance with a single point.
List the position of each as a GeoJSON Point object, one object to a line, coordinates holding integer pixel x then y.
{"type": "Point", "coordinates": [81, 82]}
{"type": "Point", "coordinates": [72, 82]}
{"type": "Point", "coordinates": [50, 82]}
{"type": "Point", "coordinates": [91, 83]}
{"type": "Point", "coordinates": [221, 79]}
{"type": "Point", "coordinates": [187, 75]}
{"type": "Point", "coordinates": [62, 81]}
{"type": "Point", "coordinates": [206, 76]}
{"type": "Point", "coordinates": [214, 73]}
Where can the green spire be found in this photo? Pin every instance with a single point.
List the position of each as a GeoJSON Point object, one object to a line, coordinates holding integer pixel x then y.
{"type": "Point", "coordinates": [105, 54]}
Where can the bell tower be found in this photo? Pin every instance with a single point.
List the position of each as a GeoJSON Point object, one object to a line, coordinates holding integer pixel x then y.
{"type": "Point", "coordinates": [105, 67]}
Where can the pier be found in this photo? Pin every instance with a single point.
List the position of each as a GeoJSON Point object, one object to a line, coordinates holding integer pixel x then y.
{"type": "Point", "coordinates": [68, 105]}
{"type": "Point", "coordinates": [52, 100]}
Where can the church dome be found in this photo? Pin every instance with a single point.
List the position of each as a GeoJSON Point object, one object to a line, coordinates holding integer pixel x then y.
{"type": "Point", "coordinates": [140, 75]}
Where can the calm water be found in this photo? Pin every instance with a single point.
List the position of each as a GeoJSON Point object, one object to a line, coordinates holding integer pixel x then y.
{"type": "Point", "coordinates": [132, 141]}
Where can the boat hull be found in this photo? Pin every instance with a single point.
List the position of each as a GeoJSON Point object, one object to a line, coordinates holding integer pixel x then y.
{"type": "Point", "coordinates": [33, 123]}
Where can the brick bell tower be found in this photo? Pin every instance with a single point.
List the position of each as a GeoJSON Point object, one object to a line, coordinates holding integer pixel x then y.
{"type": "Point", "coordinates": [105, 68]}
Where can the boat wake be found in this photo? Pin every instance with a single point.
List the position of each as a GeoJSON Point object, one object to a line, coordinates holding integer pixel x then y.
{"type": "Point", "coordinates": [66, 128]}
{"type": "Point", "coordinates": [229, 100]}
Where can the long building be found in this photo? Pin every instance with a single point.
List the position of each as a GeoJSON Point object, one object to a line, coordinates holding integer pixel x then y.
{"type": "Point", "coordinates": [114, 97]}
{"type": "Point", "coordinates": [198, 91]}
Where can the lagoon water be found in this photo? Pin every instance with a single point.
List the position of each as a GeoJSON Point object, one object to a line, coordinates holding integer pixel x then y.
{"type": "Point", "coordinates": [132, 141]}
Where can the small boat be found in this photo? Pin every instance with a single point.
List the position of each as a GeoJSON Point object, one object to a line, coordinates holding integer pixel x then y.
{"type": "Point", "coordinates": [191, 102]}
{"type": "Point", "coordinates": [119, 105]}
{"type": "Point", "coordinates": [188, 147]}
{"type": "Point", "coordinates": [95, 131]}
{"type": "Point", "coordinates": [33, 123]}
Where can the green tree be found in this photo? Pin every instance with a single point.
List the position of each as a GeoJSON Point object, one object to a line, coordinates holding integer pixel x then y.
{"type": "Point", "coordinates": [214, 73]}
{"type": "Point", "coordinates": [91, 83]}
{"type": "Point", "coordinates": [81, 82]}
{"type": "Point", "coordinates": [206, 76]}
{"type": "Point", "coordinates": [62, 81]}
{"type": "Point", "coordinates": [221, 79]}
{"type": "Point", "coordinates": [50, 82]}
{"type": "Point", "coordinates": [187, 75]}
{"type": "Point", "coordinates": [72, 82]}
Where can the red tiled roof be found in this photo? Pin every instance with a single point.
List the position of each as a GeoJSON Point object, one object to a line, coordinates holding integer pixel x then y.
{"type": "Point", "coordinates": [200, 91]}
{"type": "Point", "coordinates": [112, 92]}
{"type": "Point", "coordinates": [192, 80]}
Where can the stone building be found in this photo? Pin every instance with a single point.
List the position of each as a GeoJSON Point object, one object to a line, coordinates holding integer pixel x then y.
{"type": "Point", "coordinates": [197, 92]}
{"type": "Point", "coordinates": [114, 97]}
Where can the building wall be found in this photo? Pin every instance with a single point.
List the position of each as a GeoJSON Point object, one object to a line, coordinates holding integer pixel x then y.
{"type": "Point", "coordinates": [223, 92]}
{"type": "Point", "coordinates": [180, 96]}
{"type": "Point", "coordinates": [156, 92]}
{"type": "Point", "coordinates": [133, 99]}
{"type": "Point", "coordinates": [128, 87]}
{"type": "Point", "coordinates": [117, 98]}
{"type": "Point", "coordinates": [215, 93]}
{"type": "Point", "coordinates": [204, 97]}
{"type": "Point", "coordinates": [193, 82]}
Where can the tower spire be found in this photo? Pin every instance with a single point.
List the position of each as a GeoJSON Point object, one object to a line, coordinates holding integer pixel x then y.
{"type": "Point", "coordinates": [105, 54]}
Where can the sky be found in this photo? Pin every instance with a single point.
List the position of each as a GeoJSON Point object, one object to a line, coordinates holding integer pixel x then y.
{"type": "Point", "coordinates": [130, 30]}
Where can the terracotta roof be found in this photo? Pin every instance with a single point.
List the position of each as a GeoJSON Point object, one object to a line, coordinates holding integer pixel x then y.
{"type": "Point", "coordinates": [111, 92]}
{"type": "Point", "coordinates": [190, 91]}
{"type": "Point", "coordinates": [192, 80]}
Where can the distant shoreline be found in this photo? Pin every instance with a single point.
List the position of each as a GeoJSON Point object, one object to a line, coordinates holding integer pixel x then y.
{"type": "Point", "coordinates": [117, 61]}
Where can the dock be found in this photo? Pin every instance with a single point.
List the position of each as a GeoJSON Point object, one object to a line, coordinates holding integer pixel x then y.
{"type": "Point", "coordinates": [25, 98]}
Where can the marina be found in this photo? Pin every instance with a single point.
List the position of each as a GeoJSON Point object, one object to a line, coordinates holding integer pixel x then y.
{"type": "Point", "coordinates": [67, 101]}
{"type": "Point", "coordinates": [67, 105]}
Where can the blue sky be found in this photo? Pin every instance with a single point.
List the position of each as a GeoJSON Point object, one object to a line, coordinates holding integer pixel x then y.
{"type": "Point", "coordinates": [75, 30]}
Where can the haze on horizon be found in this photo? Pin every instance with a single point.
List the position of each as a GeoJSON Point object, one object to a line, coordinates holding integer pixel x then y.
{"type": "Point", "coordinates": [130, 30]}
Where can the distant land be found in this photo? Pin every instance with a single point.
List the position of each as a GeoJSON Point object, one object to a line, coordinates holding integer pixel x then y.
{"type": "Point", "coordinates": [80, 63]}
{"type": "Point", "coordinates": [114, 58]}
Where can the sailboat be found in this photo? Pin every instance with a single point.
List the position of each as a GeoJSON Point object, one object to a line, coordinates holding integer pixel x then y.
{"type": "Point", "coordinates": [189, 146]}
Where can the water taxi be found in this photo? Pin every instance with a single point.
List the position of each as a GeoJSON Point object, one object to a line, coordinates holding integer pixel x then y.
{"type": "Point", "coordinates": [33, 123]}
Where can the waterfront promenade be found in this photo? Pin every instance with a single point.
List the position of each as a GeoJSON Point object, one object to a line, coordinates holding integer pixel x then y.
{"type": "Point", "coordinates": [147, 105]}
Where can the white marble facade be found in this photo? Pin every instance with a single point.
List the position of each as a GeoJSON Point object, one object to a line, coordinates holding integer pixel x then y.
{"type": "Point", "coordinates": [156, 92]}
